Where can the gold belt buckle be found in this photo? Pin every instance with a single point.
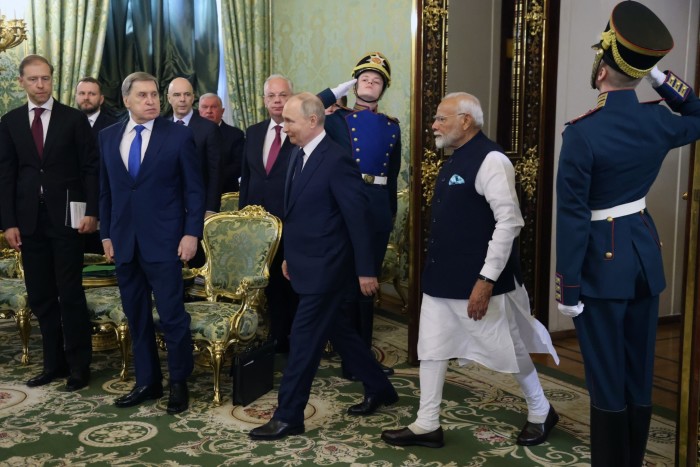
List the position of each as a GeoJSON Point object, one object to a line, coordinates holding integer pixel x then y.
{"type": "Point", "coordinates": [369, 179]}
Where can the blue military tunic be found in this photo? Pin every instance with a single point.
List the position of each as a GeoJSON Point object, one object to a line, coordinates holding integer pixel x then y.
{"type": "Point", "coordinates": [375, 141]}
{"type": "Point", "coordinates": [609, 157]}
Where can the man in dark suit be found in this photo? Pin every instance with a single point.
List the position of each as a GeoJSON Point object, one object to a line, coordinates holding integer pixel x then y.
{"type": "Point", "coordinates": [48, 157]}
{"type": "Point", "coordinates": [328, 249]}
{"type": "Point", "coordinates": [609, 265]}
{"type": "Point", "coordinates": [207, 139]}
{"type": "Point", "coordinates": [89, 100]}
{"type": "Point", "coordinates": [152, 212]}
{"type": "Point", "coordinates": [265, 161]}
{"type": "Point", "coordinates": [233, 139]}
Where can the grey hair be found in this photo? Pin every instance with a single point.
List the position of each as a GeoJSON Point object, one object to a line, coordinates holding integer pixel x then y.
{"type": "Point", "coordinates": [211, 94]}
{"type": "Point", "coordinates": [311, 105]}
{"type": "Point", "coordinates": [278, 76]}
{"type": "Point", "coordinates": [136, 76]}
{"type": "Point", "coordinates": [468, 104]}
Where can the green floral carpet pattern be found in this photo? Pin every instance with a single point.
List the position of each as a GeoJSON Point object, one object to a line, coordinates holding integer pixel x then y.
{"type": "Point", "coordinates": [482, 414]}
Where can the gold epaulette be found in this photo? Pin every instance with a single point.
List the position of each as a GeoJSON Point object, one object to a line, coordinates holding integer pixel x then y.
{"type": "Point", "coordinates": [602, 99]}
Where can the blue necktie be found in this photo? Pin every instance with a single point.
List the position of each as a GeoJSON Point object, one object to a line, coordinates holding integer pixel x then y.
{"type": "Point", "coordinates": [135, 152]}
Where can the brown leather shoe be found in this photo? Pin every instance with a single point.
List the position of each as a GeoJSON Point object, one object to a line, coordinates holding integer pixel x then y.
{"type": "Point", "coordinates": [405, 437]}
{"type": "Point", "coordinates": [533, 434]}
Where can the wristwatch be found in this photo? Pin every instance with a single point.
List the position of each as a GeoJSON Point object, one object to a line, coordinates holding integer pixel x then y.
{"type": "Point", "coordinates": [486, 279]}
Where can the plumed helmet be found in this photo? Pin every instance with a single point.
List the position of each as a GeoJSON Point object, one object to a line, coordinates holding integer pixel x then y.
{"type": "Point", "coordinates": [374, 61]}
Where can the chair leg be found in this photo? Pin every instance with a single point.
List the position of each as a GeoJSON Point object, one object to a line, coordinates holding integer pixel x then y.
{"type": "Point", "coordinates": [124, 340]}
{"type": "Point", "coordinates": [400, 292]}
{"type": "Point", "coordinates": [24, 327]}
{"type": "Point", "coordinates": [217, 358]}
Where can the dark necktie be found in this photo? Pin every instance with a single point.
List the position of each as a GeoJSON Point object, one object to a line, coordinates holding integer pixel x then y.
{"type": "Point", "coordinates": [135, 152]}
{"type": "Point", "coordinates": [274, 149]}
{"type": "Point", "coordinates": [299, 164]}
{"type": "Point", "coordinates": [180, 122]}
{"type": "Point", "coordinates": [38, 131]}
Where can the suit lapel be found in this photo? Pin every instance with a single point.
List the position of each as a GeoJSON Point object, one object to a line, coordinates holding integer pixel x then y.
{"type": "Point", "coordinates": [312, 163]}
{"type": "Point", "coordinates": [158, 135]}
{"type": "Point", "coordinates": [257, 162]}
{"type": "Point", "coordinates": [24, 130]}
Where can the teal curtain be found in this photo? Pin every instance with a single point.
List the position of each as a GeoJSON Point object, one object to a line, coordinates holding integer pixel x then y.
{"type": "Point", "coordinates": [167, 38]}
{"type": "Point", "coordinates": [246, 42]}
{"type": "Point", "coordinates": [70, 34]}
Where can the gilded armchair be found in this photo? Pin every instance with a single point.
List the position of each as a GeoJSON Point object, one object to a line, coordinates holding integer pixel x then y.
{"type": "Point", "coordinates": [239, 247]}
{"type": "Point", "coordinates": [229, 201]}
{"type": "Point", "coordinates": [13, 294]}
{"type": "Point", "coordinates": [395, 256]}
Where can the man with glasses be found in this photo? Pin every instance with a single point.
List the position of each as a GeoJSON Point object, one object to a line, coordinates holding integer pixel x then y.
{"type": "Point", "coordinates": [263, 172]}
{"type": "Point", "coordinates": [375, 141]}
{"type": "Point", "coordinates": [475, 308]}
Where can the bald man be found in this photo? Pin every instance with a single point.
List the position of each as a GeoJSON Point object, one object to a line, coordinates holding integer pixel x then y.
{"type": "Point", "coordinates": [207, 138]}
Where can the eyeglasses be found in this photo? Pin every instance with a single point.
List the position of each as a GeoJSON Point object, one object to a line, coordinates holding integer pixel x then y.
{"type": "Point", "coordinates": [281, 95]}
{"type": "Point", "coordinates": [442, 118]}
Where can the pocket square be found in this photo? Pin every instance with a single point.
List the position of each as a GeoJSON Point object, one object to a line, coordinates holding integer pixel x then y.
{"type": "Point", "coordinates": [456, 180]}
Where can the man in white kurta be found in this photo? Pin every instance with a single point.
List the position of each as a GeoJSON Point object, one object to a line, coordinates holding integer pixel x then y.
{"type": "Point", "coordinates": [475, 307]}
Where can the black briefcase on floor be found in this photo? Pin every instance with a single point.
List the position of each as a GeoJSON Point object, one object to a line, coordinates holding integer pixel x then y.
{"type": "Point", "coordinates": [252, 372]}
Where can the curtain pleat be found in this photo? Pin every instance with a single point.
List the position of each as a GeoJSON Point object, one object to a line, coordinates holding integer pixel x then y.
{"type": "Point", "coordinates": [246, 42]}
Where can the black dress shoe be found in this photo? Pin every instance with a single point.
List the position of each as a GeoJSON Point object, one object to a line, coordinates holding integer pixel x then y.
{"type": "Point", "coordinates": [275, 429]}
{"type": "Point", "coordinates": [405, 437]}
{"type": "Point", "coordinates": [78, 380]}
{"type": "Point", "coordinates": [179, 398]}
{"type": "Point", "coordinates": [45, 377]}
{"type": "Point", "coordinates": [371, 403]}
{"type": "Point", "coordinates": [533, 434]}
{"type": "Point", "coordinates": [140, 394]}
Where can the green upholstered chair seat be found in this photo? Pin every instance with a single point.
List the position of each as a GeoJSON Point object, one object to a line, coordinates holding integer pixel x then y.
{"type": "Point", "coordinates": [107, 315]}
{"type": "Point", "coordinates": [216, 321]}
{"type": "Point", "coordinates": [13, 294]}
{"type": "Point", "coordinates": [229, 201]}
{"type": "Point", "coordinates": [15, 305]}
{"type": "Point", "coordinates": [105, 304]}
{"type": "Point", "coordinates": [8, 268]}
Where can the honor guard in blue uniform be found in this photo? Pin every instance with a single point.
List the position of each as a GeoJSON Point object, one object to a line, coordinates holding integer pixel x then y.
{"type": "Point", "coordinates": [375, 141]}
{"type": "Point", "coordinates": [609, 268]}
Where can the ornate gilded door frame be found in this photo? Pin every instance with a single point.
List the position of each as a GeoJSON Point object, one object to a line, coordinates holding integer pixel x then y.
{"type": "Point", "coordinates": [532, 88]}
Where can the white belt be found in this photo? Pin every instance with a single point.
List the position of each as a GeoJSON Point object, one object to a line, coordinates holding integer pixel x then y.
{"type": "Point", "coordinates": [618, 211]}
{"type": "Point", "coordinates": [374, 179]}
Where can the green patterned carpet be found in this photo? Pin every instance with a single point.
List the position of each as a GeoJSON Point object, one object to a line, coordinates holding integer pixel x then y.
{"type": "Point", "coordinates": [482, 413]}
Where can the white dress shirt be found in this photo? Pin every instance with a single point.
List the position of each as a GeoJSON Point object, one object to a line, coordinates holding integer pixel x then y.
{"type": "Point", "coordinates": [495, 181]}
{"type": "Point", "coordinates": [270, 137]}
{"type": "Point", "coordinates": [128, 138]}
{"type": "Point", "coordinates": [45, 117]}
{"type": "Point", "coordinates": [185, 119]}
{"type": "Point", "coordinates": [92, 118]}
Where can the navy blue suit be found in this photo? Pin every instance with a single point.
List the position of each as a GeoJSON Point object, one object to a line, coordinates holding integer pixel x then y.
{"type": "Point", "coordinates": [327, 243]}
{"type": "Point", "coordinates": [611, 157]}
{"type": "Point", "coordinates": [267, 190]}
{"type": "Point", "coordinates": [375, 142]}
{"type": "Point", "coordinates": [145, 219]}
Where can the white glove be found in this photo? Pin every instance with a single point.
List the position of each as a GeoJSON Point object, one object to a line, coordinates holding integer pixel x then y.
{"type": "Point", "coordinates": [571, 311]}
{"type": "Point", "coordinates": [343, 88]}
{"type": "Point", "coordinates": [656, 77]}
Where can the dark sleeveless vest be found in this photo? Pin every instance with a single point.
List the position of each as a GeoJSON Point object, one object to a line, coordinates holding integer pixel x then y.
{"type": "Point", "coordinates": [462, 225]}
